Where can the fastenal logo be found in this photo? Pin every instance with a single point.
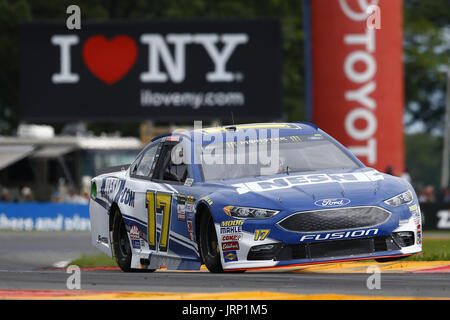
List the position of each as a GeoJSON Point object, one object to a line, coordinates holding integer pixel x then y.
{"type": "Point", "coordinates": [331, 203]}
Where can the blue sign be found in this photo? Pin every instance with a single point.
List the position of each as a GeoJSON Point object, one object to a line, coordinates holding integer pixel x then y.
{"type": "Point", "coordinates": [44, 216]}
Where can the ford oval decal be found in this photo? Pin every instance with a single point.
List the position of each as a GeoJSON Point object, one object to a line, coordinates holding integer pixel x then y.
{"type": "Point", "coordinates": [331, 203]}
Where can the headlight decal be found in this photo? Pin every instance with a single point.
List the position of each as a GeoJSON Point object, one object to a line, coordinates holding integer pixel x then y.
{"type": "Point", "coordinates": [401, 199]}
{"type": "Point", "coordinates": [249, 213]}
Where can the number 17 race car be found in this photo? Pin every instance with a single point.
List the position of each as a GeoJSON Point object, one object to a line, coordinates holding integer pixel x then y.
{"type": "Point", "coordinates": [252, 196]}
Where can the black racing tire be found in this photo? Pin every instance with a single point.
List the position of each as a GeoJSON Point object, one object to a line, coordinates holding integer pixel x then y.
{"type": "Point", "coordinates": [209, 244]}
{"type": "Point", "coordinates": [121, 245]}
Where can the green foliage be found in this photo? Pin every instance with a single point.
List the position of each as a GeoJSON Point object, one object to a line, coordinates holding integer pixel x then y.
{"type": "Point", "coordinates": [11, 13]}
{"type": "Point", "coordinates": [427, 52]}
{"type": "Point", "coordinates": [424, 158]}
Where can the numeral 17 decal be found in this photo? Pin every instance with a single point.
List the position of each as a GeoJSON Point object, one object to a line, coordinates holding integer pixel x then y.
{"type": "Point", "coordinates": [158, 203]}
{"type": "Point", "coordinates": [261, 234]}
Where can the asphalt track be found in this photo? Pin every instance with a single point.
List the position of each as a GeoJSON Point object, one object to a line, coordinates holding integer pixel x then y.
{"type": "Point", "coordinates": [27, 263]}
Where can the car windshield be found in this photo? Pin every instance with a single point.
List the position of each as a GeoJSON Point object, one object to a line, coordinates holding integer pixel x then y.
{"type": "Point", "coordinates": [261, 157]}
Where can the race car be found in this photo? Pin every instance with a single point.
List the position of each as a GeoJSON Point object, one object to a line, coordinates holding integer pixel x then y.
{"type": "Point", "coordinates": [250, 196]}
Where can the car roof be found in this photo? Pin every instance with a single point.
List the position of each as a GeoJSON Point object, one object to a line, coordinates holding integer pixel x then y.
{"type": "Point", "coordinates": [258, 129]}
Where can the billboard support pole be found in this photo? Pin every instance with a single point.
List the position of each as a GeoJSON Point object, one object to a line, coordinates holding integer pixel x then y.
{"type": "Point", "coordinates": [446, 149]}
{"type": "Point", "coordinates": [308, 61]}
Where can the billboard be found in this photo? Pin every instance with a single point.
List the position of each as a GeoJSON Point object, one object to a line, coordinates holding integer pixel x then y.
{"type": "Point", "coordinates": [44, 216]}
{"type": "Point", "coordinates": [155, 70]}
{"type": "Point", "coordinates": [356, 77]}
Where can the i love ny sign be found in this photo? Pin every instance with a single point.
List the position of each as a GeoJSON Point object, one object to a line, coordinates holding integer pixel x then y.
{"type": "Point", "coordinates": [179, 70]}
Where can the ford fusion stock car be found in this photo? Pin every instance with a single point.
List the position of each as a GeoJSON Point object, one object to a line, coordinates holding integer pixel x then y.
{"type": "Point", "coordinates": [252, 196]}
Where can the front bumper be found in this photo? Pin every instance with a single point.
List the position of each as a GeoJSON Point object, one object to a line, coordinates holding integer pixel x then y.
{"type": "Point", "coordinates": [396, 238]}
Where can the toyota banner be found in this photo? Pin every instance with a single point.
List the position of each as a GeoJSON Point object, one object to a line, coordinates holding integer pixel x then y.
{"type": "Point", "coordinates": [356, 76]}
{"type": "Point", "coordinates": [155, 70]}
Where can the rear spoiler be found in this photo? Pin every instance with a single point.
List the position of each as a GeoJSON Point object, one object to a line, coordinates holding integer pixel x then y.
{"type": "Point", "coordinates": [112, 169]}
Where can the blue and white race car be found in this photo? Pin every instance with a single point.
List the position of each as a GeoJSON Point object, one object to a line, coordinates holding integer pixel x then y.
{"type": "Point", "coordinates": [251, 196]}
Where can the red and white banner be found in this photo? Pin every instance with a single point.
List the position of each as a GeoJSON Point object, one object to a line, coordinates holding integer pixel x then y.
{"type": "Point", "coordinates": [357, 77]}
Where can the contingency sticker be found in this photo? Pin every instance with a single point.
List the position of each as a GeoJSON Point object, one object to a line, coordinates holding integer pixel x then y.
{"type": "Point", "coordinates": [181, 207]}
{"type": "Point", "coordinates": [230, 256]}
{"type": "Point", "coordinates": [135, 237]}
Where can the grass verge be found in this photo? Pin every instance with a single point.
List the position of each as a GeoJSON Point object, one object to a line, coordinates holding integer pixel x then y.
{"type": "Point", "coordinates": [94, 260]}
{"type": "Point", "coordinates": [433, 250]}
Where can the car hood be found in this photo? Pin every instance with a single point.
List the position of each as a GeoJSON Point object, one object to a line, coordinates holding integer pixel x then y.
{"type": "Point", "coordinates": [308, 191]}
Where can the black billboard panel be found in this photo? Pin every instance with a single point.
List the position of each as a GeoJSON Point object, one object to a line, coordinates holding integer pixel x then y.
{"type": "Point", "coordinates": [158, 70]}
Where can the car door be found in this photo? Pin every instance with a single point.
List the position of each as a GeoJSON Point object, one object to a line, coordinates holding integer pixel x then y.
{"type": "Point", "coordinates": [156, 181]}
{"type": "Point", "coordinates": [143, 217]}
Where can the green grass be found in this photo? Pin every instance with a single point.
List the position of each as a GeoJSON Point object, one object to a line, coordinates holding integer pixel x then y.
{"type": "Point", "coordinates": [433, 250]}
{"type": "Point", "coordinates": [94, 260]}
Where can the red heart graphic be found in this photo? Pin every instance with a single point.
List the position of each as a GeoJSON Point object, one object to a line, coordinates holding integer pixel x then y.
{"type": "Point", "coordinates": [109, 60]}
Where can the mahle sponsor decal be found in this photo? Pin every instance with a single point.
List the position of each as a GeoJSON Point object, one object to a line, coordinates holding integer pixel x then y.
{"type": "Point", "coordinates": [338, 235]}
{"type": "Point", "coordinates": [231, 226]}
{"type": "Point", "coordinates": [331, 203]}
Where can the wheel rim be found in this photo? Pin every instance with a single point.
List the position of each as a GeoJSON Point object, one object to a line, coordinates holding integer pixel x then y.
{"type": "Point", "coordinates": [124, 246]}
{"type": "Point", "coordinates": [211, 238]}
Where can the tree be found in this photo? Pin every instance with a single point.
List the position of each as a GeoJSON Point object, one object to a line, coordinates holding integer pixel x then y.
{"type": "Point", "coordinates": [423, 167]}
{"type": "Point", "coordinates": [427, 52]}
{"type": "Point", "coordinates": [11, 13]}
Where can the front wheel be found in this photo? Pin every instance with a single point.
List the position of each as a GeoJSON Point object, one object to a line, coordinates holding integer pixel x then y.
{"type": "Point", "coordinates": [121, 245]}
{"type": "Point", "coordinates": [209, 245]}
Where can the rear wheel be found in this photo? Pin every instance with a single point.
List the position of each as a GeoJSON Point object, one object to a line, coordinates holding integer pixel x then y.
{"type": "Point", "coordinates": [209, 245]}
